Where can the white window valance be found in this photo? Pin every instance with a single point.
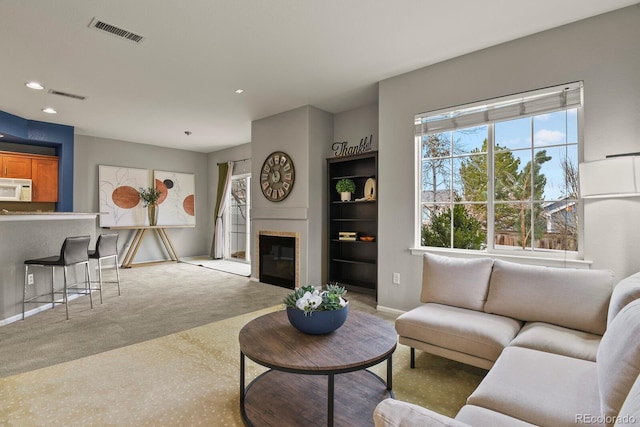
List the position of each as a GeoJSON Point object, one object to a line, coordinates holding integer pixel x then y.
{"type": "Point", "coordinates": [547, 100]}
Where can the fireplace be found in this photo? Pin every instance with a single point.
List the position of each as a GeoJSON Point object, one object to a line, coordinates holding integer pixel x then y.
{"type": "Point", "coordinates": [277, 258]}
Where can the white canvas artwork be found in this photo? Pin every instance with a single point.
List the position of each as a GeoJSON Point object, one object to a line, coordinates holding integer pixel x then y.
{"type": "Point", "coordinates": [176, 206]}
{"type": "Point", "coordinates": [120, 203]}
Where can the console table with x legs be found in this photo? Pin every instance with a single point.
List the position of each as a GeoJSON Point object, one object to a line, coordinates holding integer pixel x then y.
{"type": "Point", "coordinates": [138, 236]}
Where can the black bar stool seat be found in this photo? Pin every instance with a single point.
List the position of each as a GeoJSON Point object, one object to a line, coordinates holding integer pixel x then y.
{"type": "Point", "coordinates": [52, 260]}
{"type": "Point", "coordinates": [74, 251]}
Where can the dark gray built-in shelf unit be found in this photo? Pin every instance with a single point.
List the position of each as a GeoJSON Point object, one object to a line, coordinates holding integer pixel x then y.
{"type": "Point", "coordinates": [353, 264]}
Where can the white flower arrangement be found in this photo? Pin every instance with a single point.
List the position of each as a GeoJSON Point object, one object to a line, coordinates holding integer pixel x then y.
{"type": "Point", "coordinates": [310, 299]}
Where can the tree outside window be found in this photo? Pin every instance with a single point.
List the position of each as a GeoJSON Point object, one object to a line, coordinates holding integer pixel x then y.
{"type": "Point", "coordinates": [533, 195]}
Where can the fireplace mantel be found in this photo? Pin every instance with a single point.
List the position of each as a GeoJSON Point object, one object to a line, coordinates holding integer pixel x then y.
{"type": "Point", "coordinates": [269, 213]}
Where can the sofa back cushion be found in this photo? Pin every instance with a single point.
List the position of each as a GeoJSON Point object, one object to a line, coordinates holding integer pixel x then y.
{"type": "Point", "coordinates": [618, 359]}
{"type": "Point", "coordinates": [455, 281]}
{"type": "Point", "coordinates": [624, 292]}
{"type": "Point", "coordinates": [569, 297]}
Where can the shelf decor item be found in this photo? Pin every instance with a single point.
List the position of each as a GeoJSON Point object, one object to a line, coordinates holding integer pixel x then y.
{"type": "Point", "coordinates": [345, 187]}
{"type": "Point", "coordinates": [317, 312]}
{"type": "Point", "coordinates": [150, 197]}
{"type": "Point", "coordinates": [348, 235]}
{"type": "Point", "coordinates": [370, 189]}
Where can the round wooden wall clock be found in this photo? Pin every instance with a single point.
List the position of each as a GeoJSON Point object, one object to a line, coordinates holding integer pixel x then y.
{"type": "Point", "coordinates": [277, 176]}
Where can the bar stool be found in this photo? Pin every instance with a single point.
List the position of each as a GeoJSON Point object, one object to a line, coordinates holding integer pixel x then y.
{"type": "Point", "coordinates": [74, 251]}
{"type": "Point", "coordinates": [106, 247]}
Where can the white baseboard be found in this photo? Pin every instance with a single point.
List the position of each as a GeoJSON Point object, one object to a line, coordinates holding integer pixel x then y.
{"type": "Point", "coordinates": [389, 310]}
{"type": "Point", "coordinates": [45, 306]}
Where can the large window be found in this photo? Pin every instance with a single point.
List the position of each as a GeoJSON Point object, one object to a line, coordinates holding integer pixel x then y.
{"type": "Point", "coordinates": [502, 174]}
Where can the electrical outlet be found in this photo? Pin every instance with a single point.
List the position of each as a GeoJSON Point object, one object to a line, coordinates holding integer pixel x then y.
{"type": "Point", "coordinates": [30, 279]}
{"type": "Point", "coordinates": [396, 278]}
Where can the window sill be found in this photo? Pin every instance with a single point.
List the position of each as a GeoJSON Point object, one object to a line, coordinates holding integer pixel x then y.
{"type": "Point", "coordinates": [530, 259]}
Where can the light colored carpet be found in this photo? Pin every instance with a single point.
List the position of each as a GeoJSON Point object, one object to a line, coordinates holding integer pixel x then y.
{"type": "Point", "coordinates": [157, 300]}
{"type": "Point", "coordinates": [233, 267]}
{"type": "Point", "coordinates": [190, 378]}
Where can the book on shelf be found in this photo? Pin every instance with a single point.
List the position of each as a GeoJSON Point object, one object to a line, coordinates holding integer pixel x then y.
{"type": "Point", "coordinates": [347, 235]}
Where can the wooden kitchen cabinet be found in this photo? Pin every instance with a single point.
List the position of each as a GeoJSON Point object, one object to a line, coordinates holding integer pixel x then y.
{"type": "Point", "coordinates": [44, 179]}
{"type": "Point", "coordinates": [15, 166]}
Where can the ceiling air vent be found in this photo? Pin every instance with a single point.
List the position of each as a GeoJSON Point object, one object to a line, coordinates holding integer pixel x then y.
{"type": "Point", "coordinates": [99, 25]}
{"type": "Point", "coordinates": [68, 95]}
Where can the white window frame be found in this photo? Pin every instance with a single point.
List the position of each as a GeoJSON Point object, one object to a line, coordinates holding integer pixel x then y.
{"type": "Point", "coordinates": [484, 108]}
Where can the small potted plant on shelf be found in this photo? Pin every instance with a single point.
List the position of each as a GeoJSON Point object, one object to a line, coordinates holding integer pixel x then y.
{"type": "Point", "coordinates": [317, 312]}
{"type": "Point", "coordinates": [345, 187]}
{"type": "Point", "coordinates": [150, 197]}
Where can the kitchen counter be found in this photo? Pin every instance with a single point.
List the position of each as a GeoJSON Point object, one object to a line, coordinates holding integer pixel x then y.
{"type": "Point", "coordinates": [37, 216]}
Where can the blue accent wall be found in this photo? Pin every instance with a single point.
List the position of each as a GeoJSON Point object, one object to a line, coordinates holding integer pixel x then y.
{"type": "Point", "coordinates": [60, 137]}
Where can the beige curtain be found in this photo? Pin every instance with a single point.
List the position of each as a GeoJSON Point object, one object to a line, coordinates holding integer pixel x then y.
{"type": "Point", "coordinates": [224, 186]}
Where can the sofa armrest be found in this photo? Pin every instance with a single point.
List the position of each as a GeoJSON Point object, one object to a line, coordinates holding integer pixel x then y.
{"type": "Point", "coordinates": [395, 413]}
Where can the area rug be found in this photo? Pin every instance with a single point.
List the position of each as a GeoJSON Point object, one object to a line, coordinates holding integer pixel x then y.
{"type": "Point", "coordinates": [190, 378]}
{"type": "Point", "coordinates": [233, 267]}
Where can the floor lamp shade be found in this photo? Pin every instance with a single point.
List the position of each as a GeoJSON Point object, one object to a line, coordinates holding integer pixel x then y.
{"type": "Point", "coordinates": [617, 176]}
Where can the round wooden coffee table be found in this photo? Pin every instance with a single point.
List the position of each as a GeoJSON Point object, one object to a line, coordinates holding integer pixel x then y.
{"type": "Point", "coordinates": [315, 379]}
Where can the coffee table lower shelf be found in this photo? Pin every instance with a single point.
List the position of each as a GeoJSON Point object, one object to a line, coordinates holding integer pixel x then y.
{"type": "Point", "coordinates": [278, 398]}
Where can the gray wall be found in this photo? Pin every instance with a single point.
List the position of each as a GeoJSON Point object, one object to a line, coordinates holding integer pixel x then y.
{"type": "Point", "coordinates": [90, 152]}
{"type": "Point", "coordinates": [602, 51]}
{"type": "Point", "coordinates": [321, 126]}
{"type": "Point", "coordinates": [353, 125]}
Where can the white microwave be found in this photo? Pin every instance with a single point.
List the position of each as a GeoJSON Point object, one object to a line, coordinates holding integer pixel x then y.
{"type": "Point", "coordinates": [15, 190]}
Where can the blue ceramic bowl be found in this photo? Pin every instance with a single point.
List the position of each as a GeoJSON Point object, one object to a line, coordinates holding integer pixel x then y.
{"type": "Point", "coordinates": [318, 322]}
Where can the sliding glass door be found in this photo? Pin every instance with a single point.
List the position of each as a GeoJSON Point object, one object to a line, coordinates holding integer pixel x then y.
{"type": "Point", "coordinates": [237, 222]}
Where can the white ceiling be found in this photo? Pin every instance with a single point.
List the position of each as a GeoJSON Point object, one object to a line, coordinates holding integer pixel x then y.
{"type": "Point", "coordinates": [283, 53]}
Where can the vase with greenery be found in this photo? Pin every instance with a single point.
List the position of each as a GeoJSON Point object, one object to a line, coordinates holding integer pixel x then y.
{"type": "Point", "coordinates": [314, 311]}
{"type": "Point", "coordinates": [150, 197]}
{"type": "Point", "coordinates": [345, 187]}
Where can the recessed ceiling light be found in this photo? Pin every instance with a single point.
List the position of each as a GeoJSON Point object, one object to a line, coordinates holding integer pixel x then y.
{"type": "Point", "coordinates": [34, 85]}
{"type": "Point", "coordinates": [238, 91]}
{"type": "Point", "coordinates": [49, 110]}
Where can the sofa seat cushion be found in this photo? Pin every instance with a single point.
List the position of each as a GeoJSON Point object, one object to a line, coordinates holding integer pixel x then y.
{"type": "Point", "coordinates": [395, 413]}
{"type": "Point", "coordinates": [540, 388]}
{"type": "Point", "coordinates": [558, 340]}
{"type": "Point", "coordinates": [569, 297]}
{"type": "Point", "coordinates": [467, 331]}
{"type": "Point", "coordinates": [455, 281]}
{"type": "Point", "coordinates": [477, 416]}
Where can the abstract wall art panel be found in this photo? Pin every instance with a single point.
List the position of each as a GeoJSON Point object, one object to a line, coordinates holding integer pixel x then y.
{"type": "Point", "coordinates": [120, 203]}
{"type": "Point", "coordinates": [176, 206]}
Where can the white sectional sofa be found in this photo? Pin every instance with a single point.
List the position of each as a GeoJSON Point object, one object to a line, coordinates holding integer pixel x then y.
{"type": "Point", "coordinates": [562, 345]}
